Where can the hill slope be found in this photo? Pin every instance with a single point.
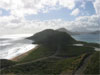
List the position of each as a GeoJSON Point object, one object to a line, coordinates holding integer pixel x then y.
{"type": "Point", "coordinates": [53, 38]}
{"type": "Point", "coordinates": [54, 55]}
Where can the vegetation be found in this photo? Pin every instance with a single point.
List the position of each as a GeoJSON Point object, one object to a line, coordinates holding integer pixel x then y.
{"type": "Point", "coordinates": [92, 45]}
{"type": "Point", "coordinates": [61, 57]}
{"type": "Point", "coordinates": [47, 66]}
{"type": "Point", "coordinates": [50, 65]}
{"type": "Point", "coordinates": [71, 51]}
{"type": "Point", "coordinates": [94, 64]}
{"type": "Point", "coordinates": [68, 51]}
{"type": "Point", "coordinates": [5, 63]}
{"type": "Point", "coordinates": [53, 38]}
{"type": "Point", "coordinates": [39, 52]}
{"type": "Point", "coordinates": [89, 44]}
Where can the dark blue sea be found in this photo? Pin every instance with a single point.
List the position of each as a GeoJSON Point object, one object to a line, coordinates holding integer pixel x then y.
{"type": "Point", "coordinates": [91, 38]}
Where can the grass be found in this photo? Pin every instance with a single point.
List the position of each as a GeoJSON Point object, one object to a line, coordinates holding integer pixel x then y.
{"type": "Point", "coordinates": [40, 52]}
{"type": "Point", "coordinates": [71, 51]}
{"type": "Point", "coordinates": [89, 44]}
{"type": "Point", "coordinates": [5, 63]}
{"type": "Point", "coordinates": [94, 64]}
{"type": "Point", "coordinates": [51, 66]}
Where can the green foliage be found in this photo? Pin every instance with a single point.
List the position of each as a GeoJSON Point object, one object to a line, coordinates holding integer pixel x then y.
{"type": "Point", "coordinates": [58, 45]}
{"type": "Point", "coordinates": [89, 44]}
{"type": "Point", "coordinates": [94, 64]}
{"type": "Point", "coordinates": [92, 45]}
{"type": "Point", "coordinates": [71, 51]}
{"type": "Point", "coordinates": [5, 63]}
{"type": "Point", "coordinates": [52, 38]}
{"type": "Point", "coordinates": [48, 66]}
{"type": "Point", "coordinates": [67, 51]}
{"type": "Point", "coordinates": [39, 52]}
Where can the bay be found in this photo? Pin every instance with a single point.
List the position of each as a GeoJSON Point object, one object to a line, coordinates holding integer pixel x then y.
{"type": "Point", "coordinates": [91, 38]}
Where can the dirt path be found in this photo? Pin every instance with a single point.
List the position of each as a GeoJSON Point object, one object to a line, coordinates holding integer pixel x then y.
{"type": "Point", "coordinates": [52, 56]}
{"type": "Point", "coordinates": [83, 66]}
{"type": "Point", "coordinates": [25, 63]}
{"type": "Point", "coordinates": [77, 72]}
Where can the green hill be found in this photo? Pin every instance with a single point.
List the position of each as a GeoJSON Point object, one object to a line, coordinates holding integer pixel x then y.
{"type": "Point", "coordinates": [54, 55]}
{"type": "Point", "coordinates": [93, 64]}
{"type": "Point", "coordinates": [53, 39]}
{"type": "Point", "coordinates": [5, 63]}
{"type": "Point", "coordinates": [46, 66]}
{"type": "Point", "coordinates": [50, 36]}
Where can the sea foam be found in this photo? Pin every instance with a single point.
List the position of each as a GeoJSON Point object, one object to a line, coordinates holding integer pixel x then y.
{"type": "Point", "coordinates": [14, 45]}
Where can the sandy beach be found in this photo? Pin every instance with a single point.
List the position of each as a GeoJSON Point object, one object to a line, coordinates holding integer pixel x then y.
{"type": "Point", "coordinates": [23, 55]}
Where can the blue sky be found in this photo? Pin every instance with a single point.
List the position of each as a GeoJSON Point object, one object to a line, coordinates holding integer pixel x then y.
{"type": "Point", "coordinates": [4, 12]}
{"type": "Point", "coordinates": [24, 16]}
{"type": "Point", "coordinates": [62, 13]}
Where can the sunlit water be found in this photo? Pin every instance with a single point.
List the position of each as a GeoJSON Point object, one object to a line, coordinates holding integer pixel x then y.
{"type": "Point", "coordinates": [14, 45]}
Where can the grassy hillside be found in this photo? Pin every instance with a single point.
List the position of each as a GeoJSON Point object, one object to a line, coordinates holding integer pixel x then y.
{"type": "Point", "coordinates": [5, 63]}
{"type": "Point", "coordinates": [57, 64]}
{"type": "Point", "coordinates": [89, 44]}
{"type": "Point", "coordinates": [52, 38]}
{"type": "Point", "coordinates": [55, 54]}
{"type": "Point", "coordinates": [94, 64]}
{"type": "Point", "coordinates": [47, 66]}
{"type": "Point", "coordinates": [68, 51]}
{"type": "Point", "coordinates": [71, 51]}
{"type": "Point", "coordinates": [39, 52]}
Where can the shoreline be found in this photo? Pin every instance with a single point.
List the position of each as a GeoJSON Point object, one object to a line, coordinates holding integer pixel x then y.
{"type": "Point", "coordinates": [16, 58]}
{"type": "Point", "coordinates": [26, 53]}
{"type": "Point", "coordinates": [23, 55]}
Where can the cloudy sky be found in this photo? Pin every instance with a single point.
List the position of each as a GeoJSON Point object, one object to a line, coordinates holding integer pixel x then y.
{"type": "Point", "coordinates": [30, 16]}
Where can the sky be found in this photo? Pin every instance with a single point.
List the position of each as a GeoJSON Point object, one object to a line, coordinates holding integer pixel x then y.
{"type": "Point", "coordinates": [31, 16]}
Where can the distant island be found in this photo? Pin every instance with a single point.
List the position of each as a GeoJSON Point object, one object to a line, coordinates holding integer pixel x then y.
{"type": "Point", "coordinates": [57, 53]}
{"type": "Point", "coordinates": [96, 32]}
{"type": "Point", "coordinates": [78, 33]}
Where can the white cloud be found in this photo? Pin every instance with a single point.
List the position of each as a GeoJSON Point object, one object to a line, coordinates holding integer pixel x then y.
{"type": "Point", "coordinates": [15, 23]}
{"type": "Point", "coordinates": [12, 25]}
{"type": "Point", "coordinates": [87, 23]}
{"type": "Point", "coordinates": [75, 12]}
{"type": "Point", "coordinates": [67, 3]}
{"type": "Point", "coordinates": [22, 7]}
{"type": "Point", "coordinates": [97, 6]}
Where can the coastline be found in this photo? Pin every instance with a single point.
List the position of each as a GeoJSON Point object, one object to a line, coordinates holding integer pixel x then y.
{"type": "Point", "coordinates": [23, 55]}
{"type": "Point", "coordinates": [26, 53]}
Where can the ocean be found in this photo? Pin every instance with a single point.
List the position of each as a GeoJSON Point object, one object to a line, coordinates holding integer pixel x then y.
{"type": "Point", "coordinates": [14, 45]}
{"type": "Point", "coordinates": [91, 38]}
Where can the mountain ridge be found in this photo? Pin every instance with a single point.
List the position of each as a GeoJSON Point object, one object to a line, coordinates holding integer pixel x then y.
{"type": "Point", "coordinates": [76, 32]}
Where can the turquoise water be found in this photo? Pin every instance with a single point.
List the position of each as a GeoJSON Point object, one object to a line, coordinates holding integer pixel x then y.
{"type": "Point", "coordinates": [91, 38]}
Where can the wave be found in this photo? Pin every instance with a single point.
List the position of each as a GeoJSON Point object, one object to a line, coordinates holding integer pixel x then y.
{"type": "Point", "coordinates": [14, 45]}
{"type": "Point", "coordinates": [10, 53]}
